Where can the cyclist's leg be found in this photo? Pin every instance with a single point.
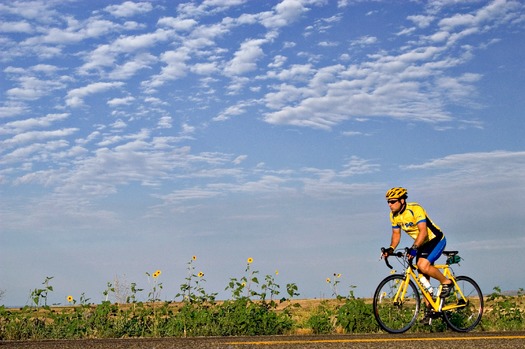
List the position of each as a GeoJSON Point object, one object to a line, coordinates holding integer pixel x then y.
{"type": "Point", "coordinates": [430, 252]}
{"type": "Point", "coordinates": [427, 255]}
{"type": "Point", "coordinates": [429, 270]}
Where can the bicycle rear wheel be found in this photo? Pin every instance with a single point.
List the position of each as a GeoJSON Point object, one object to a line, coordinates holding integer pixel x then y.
{"type": "Point", "coordinates": [395, 309]}
{"type": "Point", "coordinates": [466, 311]}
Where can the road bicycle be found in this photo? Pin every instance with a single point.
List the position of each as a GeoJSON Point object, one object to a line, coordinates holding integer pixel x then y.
{"type": "Point", "coordinates": [397, 299]}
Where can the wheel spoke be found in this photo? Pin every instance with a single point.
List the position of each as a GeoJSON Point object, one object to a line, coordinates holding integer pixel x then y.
{"type": "Point", "coordinates": [395, 309]}
{"type": "Point", "coordinates": [464, 307]}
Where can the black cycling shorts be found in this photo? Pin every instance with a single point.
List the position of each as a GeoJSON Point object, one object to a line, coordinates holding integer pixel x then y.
{"type": "Point", "coordinates": [432, 249]}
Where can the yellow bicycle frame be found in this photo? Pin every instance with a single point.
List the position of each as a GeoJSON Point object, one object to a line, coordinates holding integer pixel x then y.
{"type": "Point", "coordinates": [436, 304]}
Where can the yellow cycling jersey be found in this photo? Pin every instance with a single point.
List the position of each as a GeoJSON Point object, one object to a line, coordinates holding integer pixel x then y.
{"type": "Point", "coordinates": [410, 217]}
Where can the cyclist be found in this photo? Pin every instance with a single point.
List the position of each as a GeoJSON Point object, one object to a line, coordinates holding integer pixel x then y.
{"type": "Point", "coordinates": [429, 240]}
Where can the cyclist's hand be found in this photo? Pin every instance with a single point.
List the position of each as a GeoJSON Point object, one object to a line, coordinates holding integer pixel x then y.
{"type": "Point", "coordinates": [387, 251]}
{"type": "Point", "coordinates": [411, 253]}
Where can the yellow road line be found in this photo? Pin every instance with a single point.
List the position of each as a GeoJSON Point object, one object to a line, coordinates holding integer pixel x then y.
{"type": "Point", "coordinates": [371, 340]}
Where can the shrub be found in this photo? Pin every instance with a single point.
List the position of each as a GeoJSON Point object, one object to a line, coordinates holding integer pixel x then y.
{"type": "Point", "coordinates": [356, 316]}
{"type": "Point", "coordinates": [504, 313]}
{"type": "Point", "coordinates": [321, 320]}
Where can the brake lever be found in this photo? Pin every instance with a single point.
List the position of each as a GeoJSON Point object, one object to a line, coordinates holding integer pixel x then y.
{"type": "Point", "coordinates": [386, 258]}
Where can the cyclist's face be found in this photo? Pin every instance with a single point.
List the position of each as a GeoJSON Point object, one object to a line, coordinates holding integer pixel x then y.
{"type": "Point", "coordinates": [394, 204]}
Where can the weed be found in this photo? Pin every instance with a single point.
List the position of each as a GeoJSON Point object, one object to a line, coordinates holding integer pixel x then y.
{"type": "Point", "coordinates": [334, 283]}
{"type": "Point", "coordinates": [505, 312]}
{"type": "Point", "coordinates": [39, 294]}
{"type": "Point", "coordinates": [192, 290]}
{"type": "Point", "coordinates": [356, 316]}
{"type": "Point", "coordinates": [156, 288]}
{"type": "Point", "coordinates": [321, 321]}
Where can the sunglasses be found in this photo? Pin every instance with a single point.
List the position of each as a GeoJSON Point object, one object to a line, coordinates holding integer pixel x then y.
{"type": "Point", "coordinates": [392, 201]}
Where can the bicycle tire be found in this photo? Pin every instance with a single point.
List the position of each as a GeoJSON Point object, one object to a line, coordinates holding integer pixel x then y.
{"type": "Point", "coordinates": [464, 319]}
{"type": "Point", "coordinates": [391, 315]}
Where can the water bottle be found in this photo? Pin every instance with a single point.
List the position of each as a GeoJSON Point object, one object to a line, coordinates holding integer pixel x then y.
{"type": "Point", "coordinates": [424, 281]}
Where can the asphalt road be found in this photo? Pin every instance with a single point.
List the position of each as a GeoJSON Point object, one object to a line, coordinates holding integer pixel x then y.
{"type": "Point", "coordinates": [449, 340]}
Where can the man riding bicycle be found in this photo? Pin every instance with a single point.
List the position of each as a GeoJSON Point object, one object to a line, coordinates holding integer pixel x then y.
{"type": "Point", "coordinates": [429, 240]}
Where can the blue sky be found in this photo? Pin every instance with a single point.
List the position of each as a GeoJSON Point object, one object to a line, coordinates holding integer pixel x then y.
{"type": "Point", "coordinates": [134, 135]}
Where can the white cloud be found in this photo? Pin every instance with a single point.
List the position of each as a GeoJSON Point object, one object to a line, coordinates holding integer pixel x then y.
{"type": "Point", "coordinates": [335, 94]}
{"type": "Point", "coordinates": [45, 68]}
{"type": "Point", "coordinates": [188, 129]}
{"type": "Point", "coordinates": [342, 3]}
{"type": "Point", "coordinates": [102, 56]}
{"type": "Point", "coordinates": [12, 108]}
{"type": "Point", "coordinates": [175, 68]}
{"type": "Point", "coordinates": [386, 85]}
{"type": "Point", "coordinates": [285, 13]}
{"type": "Point", "coordinates": [119, 124]}
{"type": "Point", "coordinates": [75, 32]}
{"type": "Point", "coordinates": [239, 159]}
{"type": "Point", "coordinates": [133, 43]}
{"type": "Point", "coordinates": [233, 110]}
{"type": "Point", "coordinates": [32, 88]}
{"type": "Point", "coordinates": [179, 24]}
{"type": "Point", "coordinates": [421, 21]}
{"type": "Point", "coordinates": [459, 88]}
{"type": "Point", "coordinates": [188, 194]}
{"type": "Point", "coordinates": [16, 27]}
{"type": "Point", "coordinates": [204, 68]}
{"type": "Point", "coordinates": [20, 126]}
{"type": "Point", "coordinates": [278, 61]}
{"type": "Point", "coordinates": [75, 97]}
{"type": "Point", "coordinates": [328, 44]}
{"type": "Point", "coordinates": [207, 7]}
{"type": "Point", "coordinates": [115, 102]}
{"type": "Point", "coordinates": [245, 59]}
{"type": "Point", "coordinates": [509, 163]}
{"type": "Point", "coordinates": [36, 136]}
{"type": "Point", "coordinates": [155, 101]}
{"type": "Point", "coordinates": [105, 55]}
{"type": "Point", "coordinates": [165, 122]}
{"type": "Point", "coordinates": [39, 10]}
{"type": "Point", "coordinates": [365, 40]}
{"type": "Point", "coordinates": [54, 150]}
{"type": "Point", "coordinates": [495, 11]}
{"type": "Point", "coordinates": [129, 9]}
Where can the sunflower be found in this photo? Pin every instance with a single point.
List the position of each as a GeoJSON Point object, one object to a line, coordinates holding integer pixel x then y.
{"type": "Point", "coordinates": [250, 260]}
{"type": "Point", "coordinates": [70, 299]}
{"type": "Point", "coordinates": [328, 280]}
{"type": "Point", "coordinates": [194, 258]}
{"type": "Point", "coordinates": [156, 274]}
{"type": "Point", "coordinates": [200, 274]}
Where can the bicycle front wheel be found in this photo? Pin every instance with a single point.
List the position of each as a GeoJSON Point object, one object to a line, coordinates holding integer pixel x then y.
{"type": "Point", "coordinates": [395, 306]}
{"type": "Point", "coordinates": [462, 310]}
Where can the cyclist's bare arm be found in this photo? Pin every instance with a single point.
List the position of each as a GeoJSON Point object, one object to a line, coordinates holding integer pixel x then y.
{"type": "Point", "coordinates": [396, 237]}
{"type": "Point", "coordinates": [423, 233]}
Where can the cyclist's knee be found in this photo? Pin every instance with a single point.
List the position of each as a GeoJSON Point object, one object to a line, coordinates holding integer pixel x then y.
{"type": "Point", "coordinates": [423, 265]}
